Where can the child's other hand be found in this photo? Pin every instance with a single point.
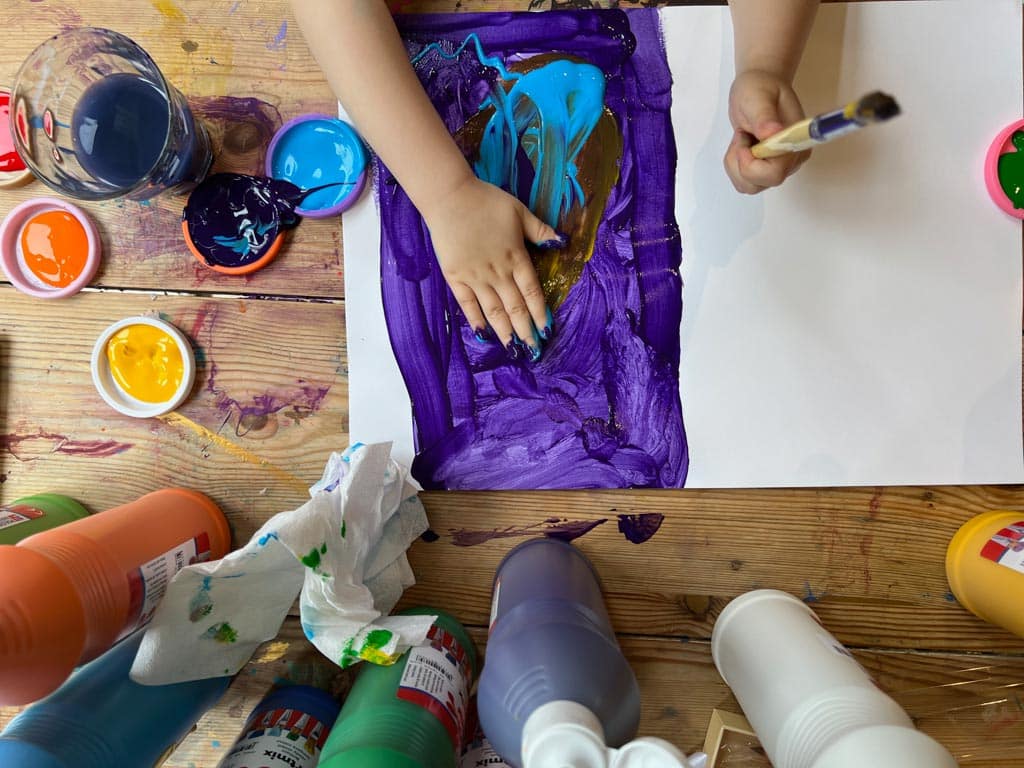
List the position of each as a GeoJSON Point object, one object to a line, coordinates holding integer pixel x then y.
{"type": "Point", "coordinates": [478, 232]}
{"type": "Point", "coordinates": [760, 104]}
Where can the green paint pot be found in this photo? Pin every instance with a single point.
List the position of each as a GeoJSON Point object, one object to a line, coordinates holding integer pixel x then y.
{"type": "Point", "coordinates": [32, 514]}
{"type": "Point", "coordinates": [413, 713]}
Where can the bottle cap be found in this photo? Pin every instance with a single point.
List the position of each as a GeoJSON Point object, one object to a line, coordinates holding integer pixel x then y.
{"type": "Point", "coordinates": [49, 248]}
{"type": "Point", "coordinates": [562, 733]}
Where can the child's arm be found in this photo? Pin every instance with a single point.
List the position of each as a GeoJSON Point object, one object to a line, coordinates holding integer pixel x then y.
{"type": "Point", "coordinates": [478, 230]}
{"type": "Point", "coordinates": [770, 39]}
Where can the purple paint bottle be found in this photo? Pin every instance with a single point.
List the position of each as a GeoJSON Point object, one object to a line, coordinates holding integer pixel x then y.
{"type": "Point", "coordinates": [556, 689]}
{"type": "Point", "coordinates": [551, 640]}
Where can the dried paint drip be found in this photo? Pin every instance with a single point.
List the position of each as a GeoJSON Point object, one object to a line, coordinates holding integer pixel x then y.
{"type": "Point", "coordinates": [55, 248]}
{"type": "Point", "coordinates": [145, 363]}
{"type": "Point", "coordinates": [1011, 171]}
{"type": "Point", "coordinates": [233, 220]}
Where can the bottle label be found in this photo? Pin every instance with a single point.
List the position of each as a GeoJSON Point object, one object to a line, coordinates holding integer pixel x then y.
{"type": "Point", "coordinates": [278, 738]}
{"type": "Point", "coordinates": [437, 677]}
{"type": "Point", "coordinates": [18, 513]}
{"type": "Point", "coordinates": [481, 754]}
{"type": "Point", "coordinates": [149, 582]}
{"type": "Point", "coordinates": [1007, 547]}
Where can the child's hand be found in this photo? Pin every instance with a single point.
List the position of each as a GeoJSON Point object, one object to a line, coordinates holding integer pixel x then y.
{"type": "Point", "coordinates": [760, 104]}
{"type": "Point", "coordinates": [478, 232]}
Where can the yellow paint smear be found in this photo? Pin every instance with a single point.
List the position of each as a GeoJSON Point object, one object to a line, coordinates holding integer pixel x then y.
{"type": "Point", "coordinates": [274, 651]}
{"type": "Point", "coordinates": [292, 481]}
{"type": "Point", "coordinates": [169, 10]}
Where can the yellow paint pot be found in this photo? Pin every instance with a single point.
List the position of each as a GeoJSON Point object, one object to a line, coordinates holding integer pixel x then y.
{"type": "Point", "coordinates": [985, 568]}
{"type": "Point", "coordinates": [143, 367]}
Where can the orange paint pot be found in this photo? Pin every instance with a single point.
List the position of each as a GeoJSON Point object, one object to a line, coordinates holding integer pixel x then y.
{"type": "Point", "coordinates": [49, 248]}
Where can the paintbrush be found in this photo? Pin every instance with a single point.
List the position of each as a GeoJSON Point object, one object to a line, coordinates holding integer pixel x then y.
{"type": "Point", "coordinates": [874, 108]}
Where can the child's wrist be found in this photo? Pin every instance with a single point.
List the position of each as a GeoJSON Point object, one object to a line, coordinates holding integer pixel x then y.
{"type": "Point", "coordinates": [435, 202]}
{"type": "Point", "coordinates": [766, 65]}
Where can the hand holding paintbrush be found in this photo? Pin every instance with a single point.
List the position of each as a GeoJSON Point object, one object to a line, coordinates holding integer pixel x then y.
{"type": "Point", "coordinates": [876, 107]}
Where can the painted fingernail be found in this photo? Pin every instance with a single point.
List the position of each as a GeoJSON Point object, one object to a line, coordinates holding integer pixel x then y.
{"type": "Point", "coordinates": [534, 352]}
{"type": "Point", "coordinates": [558, 242]}
{"type": "Point", "coordinates": [514, 349]}
{"type": "Point", "coordinates": [483, 335]}
{"type": "Point", "coordinates": [549, 329]}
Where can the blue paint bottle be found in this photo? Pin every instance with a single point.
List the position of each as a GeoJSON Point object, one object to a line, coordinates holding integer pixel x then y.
{"type": "Point", "coordinates": [287, 729]}
{"type": "Point", "coordinates": [99, 718]}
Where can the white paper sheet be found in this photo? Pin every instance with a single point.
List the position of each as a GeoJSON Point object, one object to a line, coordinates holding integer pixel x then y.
{"type": "Point", "coordinates": [862, 324]}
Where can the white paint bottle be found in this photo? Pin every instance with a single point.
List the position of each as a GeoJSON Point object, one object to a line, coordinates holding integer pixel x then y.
{"type": "Point", "coordinates": [810, 702]}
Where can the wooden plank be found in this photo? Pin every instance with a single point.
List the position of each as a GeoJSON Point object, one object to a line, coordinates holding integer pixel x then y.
{"type": "Point", "coordinates": [271, 386]}
{"type": "Point", "coordinates": [969, 703]}
{"type": "Point", "coordinates": [206, 49]}
{"type": "Point", "coordinates": [871, 560]}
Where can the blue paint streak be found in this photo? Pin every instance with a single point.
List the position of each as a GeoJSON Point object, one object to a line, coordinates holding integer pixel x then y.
{"type": "Point", "coordinates": [487, 61]}
{"type": "Point", "coordinates": [308, 631]}
{"type": "Point", "coordinates": [547, 115]}
{"type": "Point", "coordinates": [267, 537]}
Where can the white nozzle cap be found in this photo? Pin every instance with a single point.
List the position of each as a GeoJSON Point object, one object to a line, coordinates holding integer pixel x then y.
{"type": "Point", "coordinates": [564, 734]}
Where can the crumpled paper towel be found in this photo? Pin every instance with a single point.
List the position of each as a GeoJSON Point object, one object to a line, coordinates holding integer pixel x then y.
{"type": "Point", "coordinates": [344, 549]}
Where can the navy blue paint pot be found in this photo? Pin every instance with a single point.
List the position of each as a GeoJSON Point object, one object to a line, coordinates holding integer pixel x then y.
{"type": "Point", "coordinates": [235, 224]}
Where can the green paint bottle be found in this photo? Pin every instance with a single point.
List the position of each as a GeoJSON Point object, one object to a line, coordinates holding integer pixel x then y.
{"type": "Point", "coordinates": [33, 514]}
{"type": "Point", "coordinates": [413, 713]}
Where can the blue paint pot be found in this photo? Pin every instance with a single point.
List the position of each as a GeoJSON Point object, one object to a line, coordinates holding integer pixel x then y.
{"type": "Point", "coordinates": [314, 151]}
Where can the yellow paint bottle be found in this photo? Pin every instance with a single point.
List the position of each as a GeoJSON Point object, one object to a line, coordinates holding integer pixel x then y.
{"type": "Point", "coordinates": [985, 568]}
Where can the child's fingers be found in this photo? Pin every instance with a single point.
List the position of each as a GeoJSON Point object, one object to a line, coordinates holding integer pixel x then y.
{"type": "Point", "coordinates": [741, 142]}
{"type": "Point", "coordinates": [519, 314]}
{"type": "Point", "coordinates": [529, 286]}
{"type": "Point", "coordinates": [494, 310]}
{"type": "Point", "coordinates": [471, 309]}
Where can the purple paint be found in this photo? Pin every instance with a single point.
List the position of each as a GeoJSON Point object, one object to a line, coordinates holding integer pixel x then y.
{"type": "Point", "coordinates": [278, 43]}
{"type": "Point", "coordinates": [243, 128]}
{"type": "Point", "coordinates": [253, 416]}
{"type": "Point", "coordinates": [554, 528]}
{"type": "Point", "coordinates": [30, 446]}
{"type": "Point", "coordinates": [601, 409]}
{"type": "Point", "coordinates": [640, 528]}
{"type": "Point", "coordinates": [234, 220]}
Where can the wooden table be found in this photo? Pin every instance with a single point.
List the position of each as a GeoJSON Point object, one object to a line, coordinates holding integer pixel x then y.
{"type": "Point", "coordinates": [271, 401]}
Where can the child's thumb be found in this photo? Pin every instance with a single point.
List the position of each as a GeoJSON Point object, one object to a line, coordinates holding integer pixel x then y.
{"type": "Point", "coordinates": [762, 117]}
{"type": "Point", "coordinates": [536, 231]}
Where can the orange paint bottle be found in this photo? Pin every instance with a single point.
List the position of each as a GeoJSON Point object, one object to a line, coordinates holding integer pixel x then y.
{"type": "Point", "coordinates": [68, 594]}
{"type": "Point", "coordinates": [985, 568]}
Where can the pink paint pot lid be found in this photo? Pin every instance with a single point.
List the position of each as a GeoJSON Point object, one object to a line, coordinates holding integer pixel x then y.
{"type": "Point", "coordinates": [317, 150]}
{"type": "Point", "coordinates": [14, 171]}
{"type": "Point", "coordinates": [1001, 147]}
{"type": "Point", "coordinates": [72, 250]}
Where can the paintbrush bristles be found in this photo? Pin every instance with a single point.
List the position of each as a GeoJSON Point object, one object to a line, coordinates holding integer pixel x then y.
{"type": "Point", "coordinates": [877, 107]}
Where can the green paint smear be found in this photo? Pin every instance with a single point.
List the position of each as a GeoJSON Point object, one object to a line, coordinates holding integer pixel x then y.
{"type": "Point", "coordinates": [323, 549]}
{"type": "Point", "coordinates": [374, 641]}
{"type": "Point", "coordinates": [312, 560]}
{"type": "Point", "coordinates": [343, 529]}
{"type": "Point", "coordinates": [1011, 171]}
{"type": "Point", "coordinates": [222, 633]}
